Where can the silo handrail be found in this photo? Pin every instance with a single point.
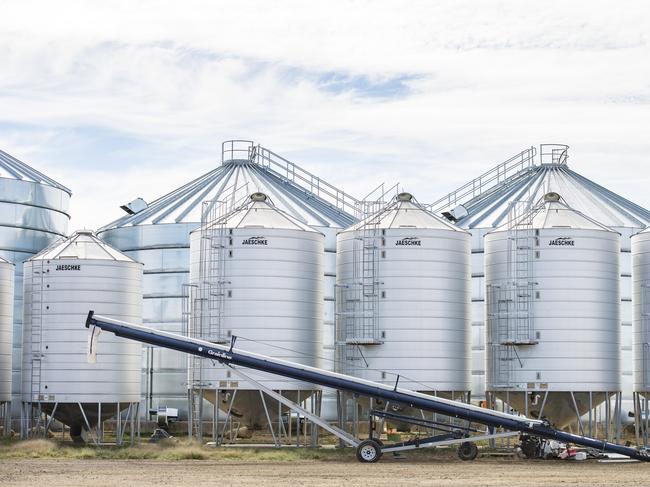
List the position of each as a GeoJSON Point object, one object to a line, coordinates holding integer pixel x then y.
{"type": "Point", "coordinates": [487, 180]}
{"type": "Point", "coordinates": [306, 180]}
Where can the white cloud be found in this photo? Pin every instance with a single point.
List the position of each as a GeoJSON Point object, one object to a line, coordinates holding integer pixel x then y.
{"type": "Point", "coordinates": [483, 79]}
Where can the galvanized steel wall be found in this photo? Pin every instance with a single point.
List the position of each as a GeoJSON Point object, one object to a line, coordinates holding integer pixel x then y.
{"type": "Point", "coordinates": [32, 215]}
{"type": "Point", "coordinates": [641, 304]}
{"type": "Point", "coordinates": [6, 324]}
{"type": "Point", "coordinates": [57, 300]}
{"type": "Point", "coordinates": [423, 312]}
{"type": "Point", "coordinates": [164, 251]}
{"type": "Point", "coordinates": [273, 300]}
{"type": "Point", "coordinates": [576, 311]}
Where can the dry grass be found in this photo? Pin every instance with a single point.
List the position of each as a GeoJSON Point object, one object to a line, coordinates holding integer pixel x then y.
{"type": "Point", "coordinates": [182, 450]}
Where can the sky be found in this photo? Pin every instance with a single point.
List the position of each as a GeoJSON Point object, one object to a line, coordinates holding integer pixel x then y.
{"type": "Point", "coordinates": [123, 99]}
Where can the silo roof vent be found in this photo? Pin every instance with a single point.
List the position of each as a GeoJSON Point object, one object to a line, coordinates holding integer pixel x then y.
{"type": "Point", "coordinates": [404, 197]}
{"type": "Point", "coordinates": [259, 197]}
{"type": "Point", "coordinates": [552, 196]}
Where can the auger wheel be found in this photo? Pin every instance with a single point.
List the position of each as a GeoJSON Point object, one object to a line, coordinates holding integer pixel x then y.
{"type": "Point", "coordinates": [368, 451]}
{"type": "Point", "coordinates": [467, 451]}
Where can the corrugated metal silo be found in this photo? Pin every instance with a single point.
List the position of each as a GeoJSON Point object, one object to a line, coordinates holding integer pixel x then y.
{"type": "Point", "coordinates": [259, 275]}
{"type": "Point", "coordinates": [403, 279]}
{"type": "Point", "coordinates": [641, 303]}
{"type": "Point", "coordinates": [34, 211]}
{"type": "Point", "coordinates": [641, 343]}
{"type": "Point", "coordinates": [483, 203]}
{"type": "Point", "coordinates": [553, 311]}
{"type": "Point", "coordinates": [6, 324]}
{"type": "Point", "coordinates": [62, 283]}
{"type": "Point", "coordinates": [158, 235]}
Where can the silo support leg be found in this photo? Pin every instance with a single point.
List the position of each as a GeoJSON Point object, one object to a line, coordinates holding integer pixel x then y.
{"type": "Point", "coordinates": [215, 418]}
{"type": "Point", "coordinates": [7, 419]}
{"type": "Point", "coordinates": [355, 415]}
{"type": "Point", "coordinates": [339, 414]}
{"type": "Point", "coordinates": [617, 417]}
{"type": "Point", "coordinates": [23, 421]}
{"type": "Point", "coordinates": [135, 424]}
{"type": "Point", "coordinates": [637, 417]}
{"type": "Point", "coordinates": [49, 421]}
{"type": "Point", "coordinates": [608, 415]}
{"type": "Point", "coordinates": [282, 432]}
{"type": "Point", "coordinates": [646, 420]}
{"type": "Point", "coordinates": [228, 415]}
{"type": "Point", "coordinates": [591, 412]}
{"type": "Point", "coordinates": [575, 408]}
{"type": "Point", "coordinates": [268, 419]}
{"type": "Point", "coordinates": [490, 403]}
{"type": "Point", "coordinates": [317, 401]}
{"type": "Point", "coordinates": [118, 426]}
{"type": "Point", "coordinates": [541, 409]}
{"type": "Point", "coordinates": [100, 424]}
{"type": "Point", "coordinates": [383, 419]}
{"type": "Point", "coordinates": [88, 428]}
{"type": "Point", "coordinates": [128, 420]}
{"type": "Point", "coordinates": [297, 423]}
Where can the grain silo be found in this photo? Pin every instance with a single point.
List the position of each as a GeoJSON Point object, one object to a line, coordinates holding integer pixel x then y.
{"type": "Point", "coordinates": [259, 275]}
{"type": "Point", "coordinates": [553, 312]}
{"type": "Point", "coordinates": [6, 324]}
{"type": "Point", "coordinates": [641, 304]}
{"type": "Point", "coordinates": [403, 277]}
{"type": "Point", "coordinates": [33, 213]}
{"type": "Point", "coordinates": [483, 204]}
{"type": "Point", "coordinates": [157, 234]}
{"type": "Point", "coordinates": [62, 283]}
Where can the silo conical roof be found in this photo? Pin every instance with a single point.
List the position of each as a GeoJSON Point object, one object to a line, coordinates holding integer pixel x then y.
{"type": "Point", "coordinates": [554, 213]}
{"type": "Point", "coordinates": [298, 193]}
{"type": "Point", "coordinates": [488, 207]}
{"type": "Point", "coordinates": [260, 212]}
{"type": "Point", "coordinates": [12, 168]}
{"type": "Point", "coordinates": [82, 244]}
{"type": "Point", "coordinates": [405, 212]}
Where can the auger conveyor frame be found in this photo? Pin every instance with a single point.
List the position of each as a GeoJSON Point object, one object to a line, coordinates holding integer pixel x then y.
{"type": "Point", "coordinates": [233, 356]}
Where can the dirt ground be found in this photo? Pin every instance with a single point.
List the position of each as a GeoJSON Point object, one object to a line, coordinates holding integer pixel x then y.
{"type": "Point", "coordinates": [388, 472]}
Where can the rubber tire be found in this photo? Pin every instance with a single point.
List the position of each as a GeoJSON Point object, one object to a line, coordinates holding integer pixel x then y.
{"type": "Point", "coordinates": [467, 451]}
{"type": "Point", "coordinates": [368, 451]}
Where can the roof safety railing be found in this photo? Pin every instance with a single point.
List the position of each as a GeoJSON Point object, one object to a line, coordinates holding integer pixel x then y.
{"type": "Point", "coordinates": [236, 150]}
{"type": "Point", "coordinates": [233, 197]}
{"type": "Point", "coordinates": [553, 153]}
{"type": "Point", "coordinates": [376, 200]}
{"type": "Point", "coordinates": [306, 180]}
{"type": "Point", "coordinates": [524, 160]}
{"type": "Point", "coordinates": [248, 151]}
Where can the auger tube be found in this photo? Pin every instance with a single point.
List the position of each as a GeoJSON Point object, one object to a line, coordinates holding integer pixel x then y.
{"type": "Point", "coordinates": [233, 356]}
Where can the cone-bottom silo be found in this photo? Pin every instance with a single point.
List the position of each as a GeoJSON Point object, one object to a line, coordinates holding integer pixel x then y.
{"type": "Point", "coordinates": [62, 283]}
{"type": "Point", "coordinates": [641, 343]}
{"type": "Point", "coordinates": [403, 300]}
{"type": "Point", "coordinates": [157, 234]}
{"type": "Point", "coordinates": [258, 276]}
{"type": "Point", "coordinates": [6, 324]}
{"type": "Point", "coordinates": [552, 287]}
